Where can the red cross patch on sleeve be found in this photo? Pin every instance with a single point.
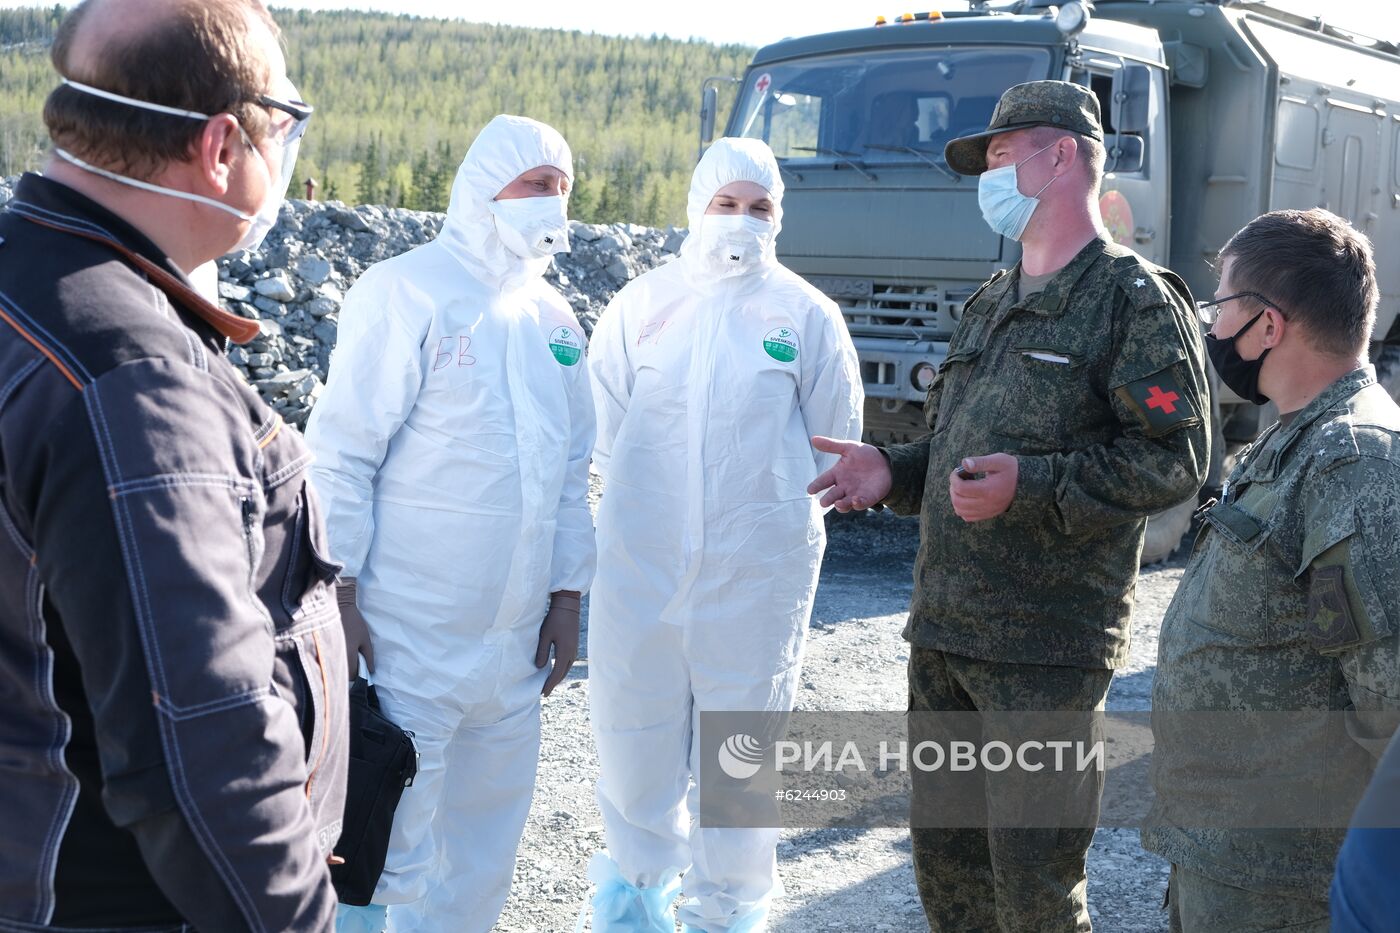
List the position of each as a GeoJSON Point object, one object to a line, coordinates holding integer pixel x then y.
{"type": "Point", "coordinates": [1159, 401]}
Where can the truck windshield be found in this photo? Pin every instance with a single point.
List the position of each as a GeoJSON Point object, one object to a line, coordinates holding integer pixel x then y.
{"type": "Point", "coordinates": [897, 105]}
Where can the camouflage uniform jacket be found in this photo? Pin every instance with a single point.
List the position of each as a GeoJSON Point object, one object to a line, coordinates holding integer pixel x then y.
{"type": "Point", "coordinates": [1291, 602]}
{"type": "Point", "coordinates": [1096, 384]}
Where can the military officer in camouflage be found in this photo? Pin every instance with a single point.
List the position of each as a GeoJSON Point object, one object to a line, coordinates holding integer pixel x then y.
{"type": "Point", "coordinates": [1291, 599]}
{"type": "Point", "coordinates": [1071, 406]}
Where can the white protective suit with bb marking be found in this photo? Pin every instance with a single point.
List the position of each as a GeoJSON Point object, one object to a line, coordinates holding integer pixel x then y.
{"type": "Point", "coordinates": [708, 387]}
{"type": "Point", "coordinates": [452, 447]}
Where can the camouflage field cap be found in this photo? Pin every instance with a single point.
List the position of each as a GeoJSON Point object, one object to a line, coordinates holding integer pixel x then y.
{"type": "Point", "coordinates": [1036, 103]}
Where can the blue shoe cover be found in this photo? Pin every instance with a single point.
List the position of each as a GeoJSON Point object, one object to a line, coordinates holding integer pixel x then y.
{"type": "Point", "coordinates": [755, 921]}
{"type": "Point", "coordinates": [621, 907]}
{"type": "Point", "coordinates": [371, 918]}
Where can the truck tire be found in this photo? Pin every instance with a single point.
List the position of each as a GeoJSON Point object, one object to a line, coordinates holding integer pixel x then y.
{"type": "Point", "coordinates": [1165, 531]}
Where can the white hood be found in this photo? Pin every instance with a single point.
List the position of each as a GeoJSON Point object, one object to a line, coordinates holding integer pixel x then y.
{"type": "Point", "coordinates": [730, 159]}
{"type": "Point", "coordinates": [708, 388]}
{"type": "Point", "coordinates": [505, 149]}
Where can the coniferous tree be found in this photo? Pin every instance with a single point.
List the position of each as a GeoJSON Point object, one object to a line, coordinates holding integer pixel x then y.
{"type": "Point", "coordinates": [423, 172]}
{"type": "Point", "coordinates": [440, 191]}
{"type": "Point", "coordinates": [371, 174]}
{"type": "Point", "coordinates": [652, 214]}
{"type": "Point", "coordinates": [581, 201]}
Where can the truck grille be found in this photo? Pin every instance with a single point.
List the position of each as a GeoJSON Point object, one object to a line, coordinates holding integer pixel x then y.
{"type": "Point", "coordinates": [904, 312]}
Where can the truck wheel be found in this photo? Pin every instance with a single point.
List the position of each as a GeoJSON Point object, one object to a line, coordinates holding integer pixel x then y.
{"type": "Point", "coordinates": [1165, 531]}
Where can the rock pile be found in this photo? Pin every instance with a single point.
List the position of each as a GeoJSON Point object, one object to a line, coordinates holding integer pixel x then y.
{"type": "Point", "coordinates": [295, 284]}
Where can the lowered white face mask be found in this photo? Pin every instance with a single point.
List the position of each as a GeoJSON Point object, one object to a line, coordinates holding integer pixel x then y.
{"type": "Point", "coordinates": [732, 244]}
{"type": "Point", "coordinates": [533, 228]}
{"type": "Point", "coordinates": [258, 224]}
{"type": "Point", "coordinates": [267, 215]}
{"type": "Point", "coordinates": [205, 280]}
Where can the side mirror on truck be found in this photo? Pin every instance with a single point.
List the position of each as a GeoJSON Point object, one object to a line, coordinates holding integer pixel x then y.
{"type": "Point", "coordinates": [1132, 89]}
{"type": "Point", "coordinates": [1126, 154]}
{"type": "Point", "coordinates": [709, 101]}
{"type": "Point", "coordinates": [709, 109]}
{"type": "Point", "coordinates": [1131, 96]}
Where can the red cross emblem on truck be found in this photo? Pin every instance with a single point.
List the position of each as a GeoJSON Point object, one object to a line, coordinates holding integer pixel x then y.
{"type": "Point", "coordinates": [1166, 401]}
{"type": "Point", "coordinates": [761, 85]}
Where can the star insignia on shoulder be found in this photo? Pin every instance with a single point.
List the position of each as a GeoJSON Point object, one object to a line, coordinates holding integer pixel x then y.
{"type": "Point", "coordinates": [1139, 283]}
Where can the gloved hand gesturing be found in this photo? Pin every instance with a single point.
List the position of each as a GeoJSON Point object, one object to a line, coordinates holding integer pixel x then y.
{"type": "Point", "coordinates": [356, 629]}
{"type": "Point", "coordinates": [561, 630]}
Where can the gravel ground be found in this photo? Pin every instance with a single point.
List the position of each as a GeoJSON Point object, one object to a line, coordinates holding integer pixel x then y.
{"type": "Point", "coordinates": [836, 879]}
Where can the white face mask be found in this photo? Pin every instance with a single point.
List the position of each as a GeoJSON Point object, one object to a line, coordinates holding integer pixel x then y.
{"type": "Point", "coordinates": [733, 244]}
{"type": "Point", "coordinates": [205, 280]}
{"type": "Point", "coordinates": [267, 215]}
{"type": "Point", "coordinates": [259, 223]}
{"type": "Point", "coordinates": [533, 228]}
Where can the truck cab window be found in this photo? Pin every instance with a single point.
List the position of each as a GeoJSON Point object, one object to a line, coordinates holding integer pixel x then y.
{"type": "Point", "coordinates": [791, 123]}
{"type": "Point", "coordinates": [898, 106]}
{"type": "Point", "coordinates": [1101, 84]}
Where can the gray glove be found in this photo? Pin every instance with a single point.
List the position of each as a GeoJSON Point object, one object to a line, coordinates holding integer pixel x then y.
{"type": "Point", "coordinates": [560, 629]}
{"type": "Point", "coordinates": [357, 641]}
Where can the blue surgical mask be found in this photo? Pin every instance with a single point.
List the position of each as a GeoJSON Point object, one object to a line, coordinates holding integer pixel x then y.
{"type": "Point", "coordinates": [1005, 209]}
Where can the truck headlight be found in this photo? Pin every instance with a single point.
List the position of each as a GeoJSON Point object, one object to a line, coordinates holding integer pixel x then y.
{"type": "Point", "coordinates": [1072, 18]}
{"type": "Point", "coordinates": [922, 376]}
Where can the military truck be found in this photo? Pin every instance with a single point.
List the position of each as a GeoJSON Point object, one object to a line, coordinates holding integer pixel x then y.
{"type": "Point", "coordinates": [1214, 112]}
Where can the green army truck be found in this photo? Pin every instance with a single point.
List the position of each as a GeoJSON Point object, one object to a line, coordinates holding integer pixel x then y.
{"type": "Point", "coordinates": [1214, 112]}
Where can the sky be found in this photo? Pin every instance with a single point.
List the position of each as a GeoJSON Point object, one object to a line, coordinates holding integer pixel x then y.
{"type": "Point", "coordinates": [758, 22]}
{"type": "Point", "coordinates": [751, 22]}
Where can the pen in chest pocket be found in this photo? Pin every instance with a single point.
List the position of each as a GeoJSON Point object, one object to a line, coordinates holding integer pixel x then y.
{"type": "Point", "coordinates": [1046, 357]}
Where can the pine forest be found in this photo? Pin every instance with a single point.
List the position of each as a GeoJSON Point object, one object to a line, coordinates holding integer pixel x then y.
{"type": "Point", "coordinates": [398, 100]}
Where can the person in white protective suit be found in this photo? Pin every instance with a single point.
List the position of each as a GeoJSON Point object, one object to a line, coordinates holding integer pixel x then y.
{"type": "Point", "coordinates": [710, 376]}
{"type": "Point", "coordinates": [452, 447]}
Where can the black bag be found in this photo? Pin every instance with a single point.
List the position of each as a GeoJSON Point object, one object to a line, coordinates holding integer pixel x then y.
{"type": "Point", "coordinates": [383, 762]}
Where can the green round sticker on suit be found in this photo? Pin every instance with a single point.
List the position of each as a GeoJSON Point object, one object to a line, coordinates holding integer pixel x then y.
{"type": "Point", "coordinates": [566, 345]}
{"type": "Point", "coordinates": [781, 344]}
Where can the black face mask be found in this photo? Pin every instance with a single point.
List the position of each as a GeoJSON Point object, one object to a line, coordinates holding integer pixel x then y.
{"type": "Point", "coordinates": [1240, 375]}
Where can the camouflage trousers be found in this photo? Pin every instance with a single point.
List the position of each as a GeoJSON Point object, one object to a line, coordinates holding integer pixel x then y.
{"type": "Point", "coordinates": [1197, 904]}
{"type": "Point", "coordinates": [1010, 872]}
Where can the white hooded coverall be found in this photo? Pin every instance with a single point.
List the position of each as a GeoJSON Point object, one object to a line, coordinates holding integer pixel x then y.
{"type": "Point", "coordinates": [707, 392]}
{"type": "Point", "coordinates": [452, 447]}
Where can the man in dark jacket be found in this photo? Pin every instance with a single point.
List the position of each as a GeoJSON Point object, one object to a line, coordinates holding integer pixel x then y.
{"type": "Point", "coordinates": [173, 743]}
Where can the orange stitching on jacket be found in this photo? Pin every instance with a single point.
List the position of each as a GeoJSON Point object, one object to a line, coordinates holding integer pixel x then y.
{"type": "Point", "coordinates": [268, 440]}
{"type": "Point", "coordinates": [42, 349]}
{"type": "Point", "coordinates": [326, 727]}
